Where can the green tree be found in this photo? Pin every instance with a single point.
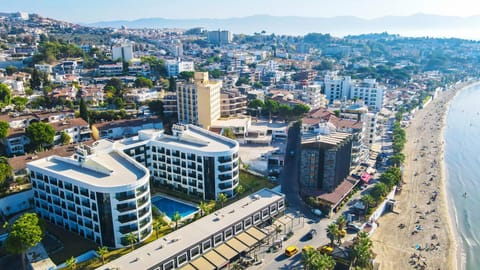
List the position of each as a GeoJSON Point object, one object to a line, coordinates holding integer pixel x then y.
{"type": "Point", "coordinates": [10, 70]}
{"type": "Point", "coordinates": [26, 232]}
{"type": "Point", "coordinates": [341, 222]}
{"type": "Point", "coordinates": [40, 134]}
{"type": "Point", "coordinates": [141, 82]}
{"type": "Point", "coordinates": [65, 138]}
{"type": "Point", "coordinates": [156, 107]}
{"type": "Point", "coordinates": [131, 239]}
{"type": "Point", "coordinates": [204, 208]}
{"type": "Point", "coordinates": [36, 79]}
{"type": "Point", "coordinates": [397, 159]}
{"type": "Point", "coordinates": [4, 126]}
{"type": "Point", "coordinates": [157, 224]}
{"type": "Point", "coordinates": [255, 104]}
{"type": "Point", "coordinates": [227, 132]}
{"type": "Point", "coordinates": [83, 110]}
{"type": "Point", "coordinates": [300, 109]}
{"type": "Point", "coordinates": [5, 95]}
{"type": "Point", "coordinates": [309, 258]}
{"type": "Point", "coordinates": [102, 252]}
{"type": "Point", "coordinates": [19, 102]}
{"type": "Point", "coordinates": [368, 201]}
{"type": "Point", "coordinates": [5, 170]}
{"type": "Point", "coordinates": [379, 191]}
{"type": "Point", "coordinates": [186, 75]}
{"type": "Point", "coordinates": [362, 253]}
{"type": "Point", "coordinates": [176, 217]}
{"type": "Point", "coordinates": [222, 199]}
{"type": "Point", "coordinates": [324, 262]}
{"type": "Point", "coordinates": [71, 263]}
{"type": "Point", "coordinates": [272, 107]}
{"type": "Point", "coordinates": [332, 232]}
{"type": "Point", "coordinates": [240, 189]}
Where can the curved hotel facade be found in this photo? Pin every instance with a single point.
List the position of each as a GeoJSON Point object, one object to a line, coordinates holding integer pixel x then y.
{"type": "Point", "coordinates": [99, 193]}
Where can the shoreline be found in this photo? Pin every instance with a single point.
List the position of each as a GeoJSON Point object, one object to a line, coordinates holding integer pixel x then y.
{"type": "Point", "coordinates": [459, 261]}
{"type": "Point", "coordinates": [424, 174]}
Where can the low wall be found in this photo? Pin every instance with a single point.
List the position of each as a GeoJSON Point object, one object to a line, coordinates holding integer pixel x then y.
{"type": "Point", "coordinates": [380, 210]}
{"type": "Point", "coordinates": [16, 203]}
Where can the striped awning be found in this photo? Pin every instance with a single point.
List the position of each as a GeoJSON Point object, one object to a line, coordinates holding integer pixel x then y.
{"type": "Point", "coordinates": [202, 263]}
{"type": "Point", "coordinates": [256, 233]}
{"type": "Point", "coordinates": [226, 251]}
{"type": "Point", "coordinates": [215, 258]}
{"type": "Point", "coordinates": [188, 267]}
{"type": "Point", "coordinates": [247, 239]}
{"type": "Point", "coordinates": [237, 245]}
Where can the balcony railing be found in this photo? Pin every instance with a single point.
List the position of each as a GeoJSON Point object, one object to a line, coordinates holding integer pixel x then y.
{"type": "Point", "coordinates": [127, 218]}
{"type": "Point", "coordinates": [123, 196]}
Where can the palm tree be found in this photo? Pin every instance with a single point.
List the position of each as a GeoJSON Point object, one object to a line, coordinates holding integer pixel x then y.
{"type": "Point", "coordinates": [368, 201]}
{"type": "Point", "coordinates": [222, 198]}
{"type": "Point", "coordinates": [324, 262]}
{"type": "Point", "coordinates": [362, 251]}
{"type": "Point", "coordinates": [71, 263]}
{"type": "Point", "coordinates": [176, 218]}
{"type": "Point", "coordinates": [341, 222]}
{"type": "Point", "coordinates": [239, 189]}
{"type": "Point", "coordinates": [102, 251]}
{"type": "Point", "coordinates": [309, 258]}
{"type": "Point", "coordinates": [157, 224]}
{"type": "Point", "coordinates": [332, 232]}
{"type": "Point", "coordinates": [131, 239]}
{"type": "Point", "coordinates": [204, 208]}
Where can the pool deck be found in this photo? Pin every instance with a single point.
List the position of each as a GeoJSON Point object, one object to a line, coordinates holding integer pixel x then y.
{"type": "Point", "coordinates": [158, 194]}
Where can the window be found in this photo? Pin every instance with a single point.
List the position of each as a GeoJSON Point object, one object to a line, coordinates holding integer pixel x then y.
{"type": "Point", "coordinates": [194, 252]}
{"type": "Point", "coordinates": [281, 204]}
{"type": "Point", "coordinates": [228, 233]}
{"type": "Point", "coordinates": [264, 213]}
{"type": "Point", "coordinates": [238, 228]}
{"type": "Point", "coordinates": [217, 239]}
{"type": "Point", "coordinates": [256, 218]}
{"type": "Point", "coordinates": [247, 223]}
{"type": "Point", "coordinates": [206, 245]}
{"type": "Point", "coordinates": [182, 259]}
{"type": "Point", "coordinates": [169, 265]}
{"type": "Point", "coordinates": [273, 208]}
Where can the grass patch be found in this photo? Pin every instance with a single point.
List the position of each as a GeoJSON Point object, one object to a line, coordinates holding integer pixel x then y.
{"type": "Point", "coordinates": [253, 183]}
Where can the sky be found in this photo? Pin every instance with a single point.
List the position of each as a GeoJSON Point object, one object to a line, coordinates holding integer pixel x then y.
{"type": "Point", "coordinates": [88, 11]}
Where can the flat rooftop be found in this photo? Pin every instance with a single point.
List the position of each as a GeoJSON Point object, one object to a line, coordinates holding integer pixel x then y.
{"type": "Point", "coordinates": [177, 241]}
{"type": "Point", "coordinates": [332, 139]}
{"type": "Point", "coordinates": [122, 171]}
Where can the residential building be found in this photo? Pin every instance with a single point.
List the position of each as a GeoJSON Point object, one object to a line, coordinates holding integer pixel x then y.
{"type": "Point", "coordinates": [313, 97]}
{"type": "Point", "coordinates": [142, 95]}
{"type": "Point", "coordinates": [119, 129]}
{"type": "Point", "coordinates": [192, 160]}
{"type": "Point", "coordinates": [99, 193]}
{"type": "Point", "coordinates": [198, 101]}
{"type": "Point", "coordinates": [232, 103]}
{"type": "Point", "coordinates": [110, 70]}
{"type": "Point", "coordinates": [220, 37]}
{"type": "Point", "coordinates": [169, 100]}
{"type": "Point", "coordinates": [212, 242]}
{"type": "Point", "coordinates": [123, 52]}
{"type": "Point", "coordinates": [77, 129]}
{"type": "Point", "coordinates": [175, 67]}
{"type": "Point", "coordinates": [325, 161]}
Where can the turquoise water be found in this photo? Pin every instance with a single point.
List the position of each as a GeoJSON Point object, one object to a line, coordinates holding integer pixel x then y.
{"type": "Point", "coordinates": [169, 207]}
{"type": "Point", "coordinates": [462, 160]}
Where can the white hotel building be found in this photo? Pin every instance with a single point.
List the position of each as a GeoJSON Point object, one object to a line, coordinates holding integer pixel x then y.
{"type": "Point", "coordinates": [193, 160]}
{"type": "Point", "coordinates": [99, 193]}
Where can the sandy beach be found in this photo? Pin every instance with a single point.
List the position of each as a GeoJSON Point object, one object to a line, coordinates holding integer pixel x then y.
{"type": "Point", "coordinates": [420, 235]}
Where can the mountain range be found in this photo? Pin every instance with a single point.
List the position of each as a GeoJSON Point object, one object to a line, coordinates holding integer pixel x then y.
{"type": "Point", "coordinates": [414, 25]}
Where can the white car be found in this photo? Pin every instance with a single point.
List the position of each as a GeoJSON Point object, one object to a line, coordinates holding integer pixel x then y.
{"type": "Point", "coordinates": [317, 212]}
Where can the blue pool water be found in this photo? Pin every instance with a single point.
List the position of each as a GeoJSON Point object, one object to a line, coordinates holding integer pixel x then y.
{"type": "Point", "coordinates": [169, 207]}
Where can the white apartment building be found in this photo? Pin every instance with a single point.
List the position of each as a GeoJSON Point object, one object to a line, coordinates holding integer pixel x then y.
{"type": "Point", "coordinates": [312, 95]}
{"type": "Point", "coordinates": [220, 37]}
{"type": "Point", "coordinates": [175, 67]}
{"type": "Point", "coordinates": [370, 120]}
{"type": "Point", "coordinates": [343, 87]}
{"type": "Point", "coordinates": [198, 101]}
{"type": "Point", "coordinates": [192, 160]}
{"type": "Point", "coordinates": [123, 52]}
{"type": "Point", "coordinates": [110, 70]}
{"type": "Point", "coordinates": [100, 193]}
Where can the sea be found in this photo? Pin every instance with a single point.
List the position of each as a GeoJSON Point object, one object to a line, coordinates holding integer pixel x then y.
{"type": "Point", "coordinates": [462, 166]}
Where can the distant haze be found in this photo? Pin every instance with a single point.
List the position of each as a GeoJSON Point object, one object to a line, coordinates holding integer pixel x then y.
{"type": "Point", "coordinates": [415, 25]}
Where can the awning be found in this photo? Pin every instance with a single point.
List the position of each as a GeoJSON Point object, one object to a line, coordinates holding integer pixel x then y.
{"type": "Point", "coordinates": [365, 177]}
{"type": "Point", "coordinates": [188, 267]}
{"type": "Point", "coordinates": [202, 263]}
{"type": "Point", "coordinates": [226, 251]}
{"type": "Point", "coordinates": [215, 258]}
{"type": "Point", "coordinates": [237, 245]}
{"type": "Point", "coordinates": [247, 239]}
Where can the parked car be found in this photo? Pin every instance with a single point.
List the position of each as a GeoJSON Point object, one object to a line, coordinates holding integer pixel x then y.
{"type": "Point", "coordinates": [317, 212]}
{"type": "Point", "coordinates": [353, 227]}
{"type": "Point", "coordinates": [291, 250]}
{"type": "Point", "coordinates": [311, 234]}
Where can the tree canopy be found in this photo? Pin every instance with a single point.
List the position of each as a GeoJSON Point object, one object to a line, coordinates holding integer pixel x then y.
{"type": "Point", "coordinates": [5, 95]}
{"type": "Point", "coordinates": [40, 134]}
{"type": "Point", "coordinates": [25, 232]}
{"type": "Point", "coordinates": [142, 82]}
{"type": "Point", "coordinates": [3, 129]}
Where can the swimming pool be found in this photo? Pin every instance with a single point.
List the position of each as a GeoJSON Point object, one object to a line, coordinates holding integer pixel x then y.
{"type": "Point", "coordinates": [169, 207]}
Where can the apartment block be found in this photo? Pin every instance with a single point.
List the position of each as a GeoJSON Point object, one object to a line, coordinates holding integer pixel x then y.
{"type": "Point", "coordinates": [100, 193]}
{"type": "Point", "coordinates": [232, 103]}
{"type": "Point", "coordinates": [192, 160]}
{"type": "Point", "coordinates": [220, 37]}
{"type": "Point", "coordinates": [198, 100]}
{"type": "Point", "coordinates": [123, 52]}
{"type": "Point", "coordinates": [175, 67]}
